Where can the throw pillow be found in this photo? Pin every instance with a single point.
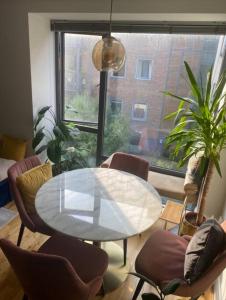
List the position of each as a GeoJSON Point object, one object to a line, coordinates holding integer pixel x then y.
{"type": "Point", "coordinates": [29, 183]}
{"type": "Point", "coordinates": [205, 245]}
{"type": "Point", "coordinates": [12, 148]}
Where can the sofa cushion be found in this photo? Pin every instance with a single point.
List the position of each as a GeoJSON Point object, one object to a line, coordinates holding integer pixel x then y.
{"type": "Point", "coordinates": [12, 148]}
{"type": "Point", "coordinates": [5, 164]}
{"type": "Point", "coordinates": [162, 257]}
{"type": "Point", "coordinates": [29, 183]}
{"type": "Point", "coordinates": [205, 245]}
{"type": "Point", "coordinates": [167, 185]}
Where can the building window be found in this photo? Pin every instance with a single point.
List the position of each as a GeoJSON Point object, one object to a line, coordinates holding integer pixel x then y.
{"type": "Point", "coordinates": [128, 115]}
{"type": "Point", "coordinates": [116, 106]}
{"type": "Point", "coordinates": [139, 112]}
{"type": "Point", "coordinates": [120, 73]}
{"type": "Point", "coordinates": [143, 71]}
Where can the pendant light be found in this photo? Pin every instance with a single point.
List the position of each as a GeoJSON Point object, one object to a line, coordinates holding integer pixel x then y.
{"type": "Point", "coordinates": [108, 53]}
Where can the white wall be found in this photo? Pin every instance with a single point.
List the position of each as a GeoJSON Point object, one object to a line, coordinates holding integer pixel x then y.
{"type": "Point", "coordinates": [20, 84]}
{"type": "Point", "coordinates": [216, 197]}
{"type": "Point", "coordinates": [41, 41]}
{"type": "Point", "coordinates": [15, 85]}
{"type": "Point", "coordinates": [24, 88]}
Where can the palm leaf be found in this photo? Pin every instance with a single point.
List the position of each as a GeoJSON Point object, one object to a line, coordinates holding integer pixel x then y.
{"type": "Point", "coordinates": [194, 84]}
{"type": "Point", "coordinates": [208, 85]}
{"type": "Point", "coordinates": [187, 100]}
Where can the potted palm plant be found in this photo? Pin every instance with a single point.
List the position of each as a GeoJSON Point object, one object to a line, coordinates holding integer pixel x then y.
{"type": "Point", "coordinates": [200, 127]}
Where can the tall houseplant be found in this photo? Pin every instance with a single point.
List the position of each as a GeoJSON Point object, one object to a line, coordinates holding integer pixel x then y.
{"type": "Point", "coordinates": [200, 127]}
{"type": "Point", "coordinates": [58, 139]}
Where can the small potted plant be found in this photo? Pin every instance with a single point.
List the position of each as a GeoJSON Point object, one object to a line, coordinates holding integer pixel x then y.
{"type": "Point", "coordinates": [200, 127]}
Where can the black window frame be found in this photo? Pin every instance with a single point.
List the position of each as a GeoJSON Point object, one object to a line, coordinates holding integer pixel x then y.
{"type": "Point", "coordinates": [101, 29]}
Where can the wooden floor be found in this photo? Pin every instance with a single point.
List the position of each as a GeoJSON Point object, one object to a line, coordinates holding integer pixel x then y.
{"type": "Point", "coordinates": [10, 288]}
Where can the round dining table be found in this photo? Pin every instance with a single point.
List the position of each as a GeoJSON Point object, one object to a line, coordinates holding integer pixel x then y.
{"type": "Point", "coordinates": [100, 205]}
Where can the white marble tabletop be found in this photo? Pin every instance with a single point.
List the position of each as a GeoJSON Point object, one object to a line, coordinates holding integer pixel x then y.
{"type": "Point", "coordinates": [98, 204]}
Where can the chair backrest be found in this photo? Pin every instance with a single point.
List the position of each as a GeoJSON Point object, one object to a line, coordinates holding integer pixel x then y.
{"type": "Point", "coordinates": [207, 278]}
{"type": "Point", "coordinates": [14, 171]}
{"type": "Point", "coordinates": [45, 276]}
{"type": "Point", "coordinates": [131, 164]}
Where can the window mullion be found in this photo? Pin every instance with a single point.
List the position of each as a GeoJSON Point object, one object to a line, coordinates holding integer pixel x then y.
{"type": "Point", "coordinates": [101, 115]}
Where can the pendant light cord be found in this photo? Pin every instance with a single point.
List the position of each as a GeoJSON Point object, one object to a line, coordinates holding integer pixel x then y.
{"type": "Point", "coordinates": [110, 24]}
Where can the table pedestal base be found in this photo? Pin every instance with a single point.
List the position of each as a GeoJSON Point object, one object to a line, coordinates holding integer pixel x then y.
{"type": "Point", "coordinates": [117, 272]}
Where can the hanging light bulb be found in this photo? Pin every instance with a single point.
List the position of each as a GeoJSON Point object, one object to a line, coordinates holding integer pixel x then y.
{"type": "Point", "coordinates": [108, 53]}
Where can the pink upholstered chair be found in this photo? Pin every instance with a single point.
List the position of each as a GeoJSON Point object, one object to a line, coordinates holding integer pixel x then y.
{"type": "Point", "coordinates": [128, 163]}
{"type": "Point", "coordinates": [32, 222]}
{"type": "Point", "coordinates": [63, 268]}
{"type": "Point", "coordinates": [162, 259]}
{"type": "Point", "coordinates": [131, 164]}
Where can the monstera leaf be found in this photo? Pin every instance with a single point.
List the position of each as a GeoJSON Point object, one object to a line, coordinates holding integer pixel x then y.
{"type": "Point", "coordinates": [41, 115]}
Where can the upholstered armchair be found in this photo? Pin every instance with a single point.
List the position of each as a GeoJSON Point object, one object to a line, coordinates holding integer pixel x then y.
{"type": "Point", "coordinates": [162, 259]}
{"type": "Point", "coordinates": [63, 268]}
{"type": "Point", "coordinates": [31, 221]}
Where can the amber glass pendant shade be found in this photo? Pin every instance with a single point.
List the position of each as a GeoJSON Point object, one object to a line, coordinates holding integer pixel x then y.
{"type": "Point", "coordinates": [108, 54]}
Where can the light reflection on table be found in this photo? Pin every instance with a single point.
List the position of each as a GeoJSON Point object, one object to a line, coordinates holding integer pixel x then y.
{"type": "Point", "coordinates": [98, 204]}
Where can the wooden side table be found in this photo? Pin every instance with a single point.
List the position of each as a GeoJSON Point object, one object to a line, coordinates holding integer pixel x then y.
{"type": "Point", "coordinates": [172, 213]}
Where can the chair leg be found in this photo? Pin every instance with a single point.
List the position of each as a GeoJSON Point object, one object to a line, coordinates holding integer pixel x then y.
{"type": "Point", "coordinates": [102, 290]}
{"type": "Point", "coordinates": [138, 289]}
{"type": "Point", "coordinates": [124, 251]}
{"type": "Point", "coordinates": [21, 232]}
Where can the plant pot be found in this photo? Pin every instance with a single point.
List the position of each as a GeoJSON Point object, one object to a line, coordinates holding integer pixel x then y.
{"type": "Point", "coordinates": [188, 225]}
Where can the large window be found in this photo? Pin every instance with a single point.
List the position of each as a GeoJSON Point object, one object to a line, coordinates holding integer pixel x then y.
{"type": "Point", "coordinates": [81, 79]}
{"type": "Point", "coordinates": [154, 63]}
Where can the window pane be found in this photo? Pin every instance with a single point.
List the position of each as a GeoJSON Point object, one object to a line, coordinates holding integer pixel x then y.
{"type": "Point", "coordinates": [115, 106]}
{"type": "Point", "coordinates": [81, 82]}
{"type": "Point", "coordinates": [145, 69]}
{"type": "Point", "coordinates": [140, 128]}
{"type": "Point", "coordinates": [139, 112]}
{"type": "Point", "coordinates": [120, 73]}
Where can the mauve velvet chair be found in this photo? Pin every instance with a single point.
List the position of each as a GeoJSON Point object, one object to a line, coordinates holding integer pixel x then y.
{"type": "Point", "coordinates": [31, 221]}
{"type": "Point", "coordinates": [63, 268]}
{"type": "Point", "coordinates": [131, 164]}
{"type": "Point", "coordinates": [162, 259]}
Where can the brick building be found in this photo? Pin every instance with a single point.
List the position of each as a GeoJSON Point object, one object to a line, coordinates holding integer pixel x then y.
{"type": "Point", "coordinates": [154, 63]}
